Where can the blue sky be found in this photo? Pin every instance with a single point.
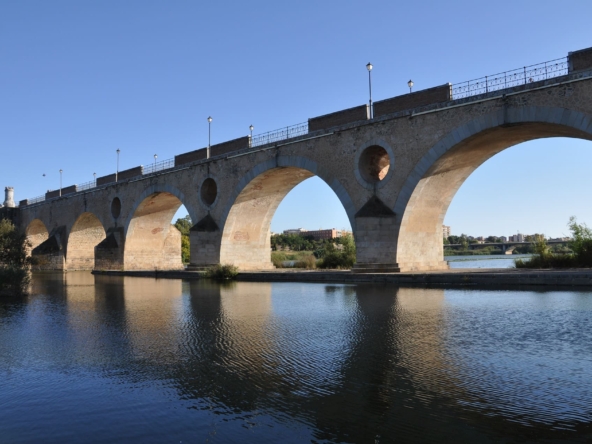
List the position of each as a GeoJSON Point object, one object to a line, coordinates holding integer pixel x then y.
{"type": "Point", "coordinates": [80, 79]}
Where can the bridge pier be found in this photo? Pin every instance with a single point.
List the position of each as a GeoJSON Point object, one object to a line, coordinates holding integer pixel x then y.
{"type": "Point", "coordinates": [49, 255]}
{"type": "Point", "coordinates": [109, 253]}
{"type": "Point", "coordinates": [204, 243]}
{"type": "Point", "coordinates": [376, 238]}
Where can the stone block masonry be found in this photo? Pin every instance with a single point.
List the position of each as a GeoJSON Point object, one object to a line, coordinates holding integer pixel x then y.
{"type": "Point", "coordinates": [344, 117]}
{"type": "Point", "coordinates": [580, 60]}
{"type": "Point", "coordinates": [417, 99]}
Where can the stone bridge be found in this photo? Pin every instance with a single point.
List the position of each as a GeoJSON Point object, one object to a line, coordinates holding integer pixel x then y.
{"type": "Point", "coordinates": [395, 174]}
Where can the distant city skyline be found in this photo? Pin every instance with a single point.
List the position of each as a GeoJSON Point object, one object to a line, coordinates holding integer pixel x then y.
{"type": "Point", "coordinates": [81, 80]}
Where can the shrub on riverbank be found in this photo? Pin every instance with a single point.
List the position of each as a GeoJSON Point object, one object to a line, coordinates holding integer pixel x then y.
{"type": "Point", "coordinates": [343, 258]}
{"type": "Point", "coordinates": [279, 257]}
{"type": "Point", "coordinates": [14, 262]}
{"type": "Point", "coordinates": [222, 272]}
{"type": "Point", "coordinates": [308, 262]}
{"type": "Point", "coordinates": [581, 246]}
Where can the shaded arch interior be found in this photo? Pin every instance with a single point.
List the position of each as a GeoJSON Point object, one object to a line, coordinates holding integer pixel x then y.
{"type": "Point", "coordinates": [246, 235]}
{"type": "Point", "coordinates": [36, 233]}
{"type": "Point", "coordinates": [419, 243]}
{"type": "Point", "coordinates": [86, 233]}
{"type": "Point", "coordinates": [152, 242]}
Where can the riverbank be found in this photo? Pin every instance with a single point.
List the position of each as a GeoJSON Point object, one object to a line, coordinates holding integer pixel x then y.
{"type": "Point", "coordinates": [458, 277]}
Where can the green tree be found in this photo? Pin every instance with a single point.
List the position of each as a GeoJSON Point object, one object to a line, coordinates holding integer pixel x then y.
{"type": "Point", "coordinates": [344, 258]}
{"type": "Point", "coordinates": [14, 261]}
{"type": "Point", "coordinates": [184, 225]}
{"type": "Point", "coordinates": [581, 243]}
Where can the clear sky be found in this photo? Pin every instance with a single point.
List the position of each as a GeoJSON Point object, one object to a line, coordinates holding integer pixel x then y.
{"type": "Point", "coordinates": [80, 79]}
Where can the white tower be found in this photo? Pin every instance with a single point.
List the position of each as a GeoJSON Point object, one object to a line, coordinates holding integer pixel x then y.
{"type": "Point", "coordinates": [9, 197]}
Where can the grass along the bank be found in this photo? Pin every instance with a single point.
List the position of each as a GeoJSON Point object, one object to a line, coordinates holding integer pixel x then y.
{"type": "Point", "coordinates": [581, 247]}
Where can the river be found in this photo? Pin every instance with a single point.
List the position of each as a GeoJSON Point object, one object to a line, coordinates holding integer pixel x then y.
{"type": "Point", "coordinates": [122, 359]}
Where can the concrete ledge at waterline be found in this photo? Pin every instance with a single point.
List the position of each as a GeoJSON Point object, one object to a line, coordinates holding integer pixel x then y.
{"type": "Point", "coordinates": [160, 274]}
{"type": "Point", "coordinates": [491, 279]}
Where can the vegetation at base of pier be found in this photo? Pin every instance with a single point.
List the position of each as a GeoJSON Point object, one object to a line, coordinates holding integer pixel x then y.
{"type": "Point", "coordinates": [184, 225]}
{"type": "Point", "coordinates": [580, 246]}
{"type": "Point", "coordinates": [327, 253]}
{"type": "Point", "coordinates": [222, 272]}
{"type": "Point", "coordinates": [14, 262]}
{"type": "Point", "coordinates": [339, 258]}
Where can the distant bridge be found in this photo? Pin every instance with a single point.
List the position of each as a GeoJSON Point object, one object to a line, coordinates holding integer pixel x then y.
{"type": "Point", "coordinates": [504, 246]}
{"type": "Point", "coordinates": [395, 175]}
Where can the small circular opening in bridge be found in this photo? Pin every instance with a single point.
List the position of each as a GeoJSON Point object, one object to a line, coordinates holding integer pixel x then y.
{"type": "Point", "coordinates": [209, 191]}
{"type": "Point", "coordinates": [374, 164]}
{"type": "Point", "coordinates": [116, 207]}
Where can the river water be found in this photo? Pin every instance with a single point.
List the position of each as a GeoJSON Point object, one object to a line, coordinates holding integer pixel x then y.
{"type": "Point", "coordinates": [112, 359]}
{"type": "Point", "coordinates": [485, 261]}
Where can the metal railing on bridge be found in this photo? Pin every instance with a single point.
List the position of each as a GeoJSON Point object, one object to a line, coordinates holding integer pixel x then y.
{"type": "Point", "coordinates": [287, 132]}
{"type": "Point", "coordinates": [159, 166]}
{"type": "Point", "coordinates": [510, 79]}
{"type": "Point", "coordinates": [86, 185]}
{"type": "Point", "coordinates": [36, 199]}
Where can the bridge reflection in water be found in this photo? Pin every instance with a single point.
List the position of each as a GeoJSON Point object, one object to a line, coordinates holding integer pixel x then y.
{"type": "Point", "coordinates": [298, 362]}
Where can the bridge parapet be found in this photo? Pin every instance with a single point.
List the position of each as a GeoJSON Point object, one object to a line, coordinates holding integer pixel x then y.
{"type": "Point", "coordinates": [580, 60]}
{"type": "Point", "coordinates": [355, 114]}
{"type": "Point", "coordinates": [121, 175]}
{"type": "Point", "coordinates": [62, 192]}
{"type": "Point", "coordinates": [438, 94]}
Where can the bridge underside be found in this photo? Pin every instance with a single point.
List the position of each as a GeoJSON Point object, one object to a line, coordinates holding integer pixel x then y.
{"type": "Point", "coordinates": [246, 236]}
{"type": "Point", "coordinates": [419, 245]}
{"type": "Point", "coordinates": [152, 243]}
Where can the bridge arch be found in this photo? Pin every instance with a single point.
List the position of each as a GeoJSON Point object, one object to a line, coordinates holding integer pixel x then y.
{"type": "Point", "coordinates": [429, 189]}
{"type": "Point", "coordinates": [86, 233]}
{"type": "Point", "coordinates": [151, 241]}
{"type": "Point", "coordinates": [247, 217]}
{"type": "Point", "coordinates": [36, 233]}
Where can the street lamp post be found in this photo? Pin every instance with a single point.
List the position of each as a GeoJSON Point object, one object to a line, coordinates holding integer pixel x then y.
{"type": "Point", "coordinates": [369, 68]}
{"type": "Point", "coordinates": [61, 171]}
{"type": "Point", "coordinates": [251, 128]}
{"type": "Point", "coordinates": [209, 135]}
{"type": "Point", "coordinates": [155, 156]}
{"type": "Point", "coordinates": [95, 178]}
{"type": "Point", "coordinates": [410, 85]}
{"type": "Point", "coordinates": [117, 170]}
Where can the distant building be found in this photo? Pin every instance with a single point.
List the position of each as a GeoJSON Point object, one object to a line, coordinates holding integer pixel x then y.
{"type": "Point", "coordinates": [445, 231]}
{"type": "Point", "coordinates": [503, 238]}
{"type": "Point", "coordinates": [517, 238]}
{"type": "Point", "coordinates": [331, 233]}
{"type": "Point", "coordinates": [325, 234]}
{"type": "Point", "coordinates": [295, 231]}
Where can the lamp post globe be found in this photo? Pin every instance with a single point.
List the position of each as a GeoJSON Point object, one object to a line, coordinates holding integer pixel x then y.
{"type": "Point", "coordinates": [410, 85]}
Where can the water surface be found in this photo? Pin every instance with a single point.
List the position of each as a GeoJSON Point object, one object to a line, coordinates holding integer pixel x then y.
{"type": "Point", "coordinates": [112, 359]}
{"type": "Point", "coordinates": [485, 261]}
